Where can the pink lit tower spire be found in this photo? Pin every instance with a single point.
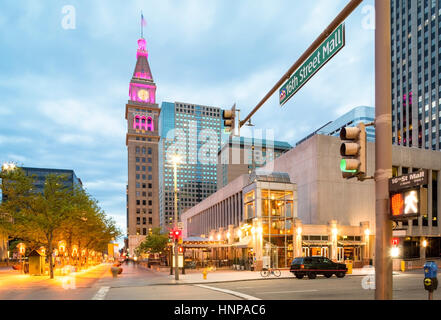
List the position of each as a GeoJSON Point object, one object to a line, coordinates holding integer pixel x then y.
{"type": "Point", "coordinates": [142, 87]}
{"type": "Point", "coordinates": [142, 115]}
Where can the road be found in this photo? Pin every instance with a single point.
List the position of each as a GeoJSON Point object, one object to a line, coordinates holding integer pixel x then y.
{"type": "Point", "coordinates": [137, 283]}
{"type": "Point", "coordinates": [407, 286]}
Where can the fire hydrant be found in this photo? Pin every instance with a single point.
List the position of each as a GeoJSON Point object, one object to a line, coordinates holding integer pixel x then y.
{"type": "Point", "coordinates": [204, 274]}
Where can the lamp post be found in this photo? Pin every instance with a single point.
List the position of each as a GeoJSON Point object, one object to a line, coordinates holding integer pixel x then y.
{"type": "Point", "coordinates": [176, 159]}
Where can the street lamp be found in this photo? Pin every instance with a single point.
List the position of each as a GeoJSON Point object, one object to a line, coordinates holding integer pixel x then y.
{"type": "Point", "coordinates": [176, 160]}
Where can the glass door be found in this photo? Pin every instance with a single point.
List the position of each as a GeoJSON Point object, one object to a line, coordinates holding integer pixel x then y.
{"type": "Point", "coordinates": [340, 254]}
{"type": "Point", "coordinates": [305, 251]}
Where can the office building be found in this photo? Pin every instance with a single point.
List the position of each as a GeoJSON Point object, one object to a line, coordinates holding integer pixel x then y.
{"type": "Point", "coordinates": [194, 132]}
{"type": "Point", "coordinates": [241, 155]}
{"type": "Point", "coordinates": [416, 73]}
{"type": "Point", "coordinates": [142, 115]}
{"type": "Point", "coordinates": [362, 114]}
{"type": "Point", "coordinates": [334, 217]}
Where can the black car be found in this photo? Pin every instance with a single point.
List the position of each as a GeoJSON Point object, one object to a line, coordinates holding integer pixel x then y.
{"type": "Point", "coordinates": [312, 266]}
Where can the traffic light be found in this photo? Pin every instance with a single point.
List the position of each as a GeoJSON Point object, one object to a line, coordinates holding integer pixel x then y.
{"type": "Point", "coordinates": [229, 117]}
{"type": "Point", "coordinates": [353, 151]}
{"type": "Point", "coordinates": [175, 234]}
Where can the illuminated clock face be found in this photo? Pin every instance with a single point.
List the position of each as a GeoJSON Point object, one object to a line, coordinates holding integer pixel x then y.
{"type": "Point", "coordinates": [143, 95]}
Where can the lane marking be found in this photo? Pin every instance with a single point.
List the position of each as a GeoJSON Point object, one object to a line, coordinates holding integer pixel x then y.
{"type": "Point", "coordinates": [234, 293]}
{"type": "Point", "coordinates": [101, 294]}
{"type": "Point", "coordinates": [299, 291]}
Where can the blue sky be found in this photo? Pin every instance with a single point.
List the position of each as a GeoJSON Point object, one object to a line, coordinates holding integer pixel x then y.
{"type": "Point", "coordinates": [63, 92]}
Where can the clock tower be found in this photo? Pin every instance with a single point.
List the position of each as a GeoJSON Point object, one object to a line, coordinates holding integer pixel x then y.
{"type": "Point", "coordinates": [142, 115]}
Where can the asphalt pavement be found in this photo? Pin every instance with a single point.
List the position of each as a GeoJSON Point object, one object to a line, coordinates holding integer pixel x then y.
{"type": "Point", "coordinates": [138, 283]}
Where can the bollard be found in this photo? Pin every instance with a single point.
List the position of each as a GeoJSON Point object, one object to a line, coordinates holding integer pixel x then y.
{"type": "Point", "coordinates": [403, 266]}
{"type": "Point", "coordinates": [204, 274]}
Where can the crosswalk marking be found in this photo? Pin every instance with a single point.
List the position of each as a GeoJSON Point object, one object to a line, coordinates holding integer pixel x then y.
{"type": "Point", "coordinates": [101, 294]}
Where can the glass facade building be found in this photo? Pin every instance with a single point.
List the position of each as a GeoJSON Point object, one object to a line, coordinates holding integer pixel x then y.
{"type": "Point", "coordinates": [193, 132]}
{"type": "Point", "coordinates": [416, 73]}
{"type": "Point", "coordinates": [361, 114]}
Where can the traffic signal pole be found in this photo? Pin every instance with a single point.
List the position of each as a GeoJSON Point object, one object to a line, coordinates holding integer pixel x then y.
{"type": "Point", "coordinates": [383, 151]}
{"type": "Point", "coordinates": [175, 242]}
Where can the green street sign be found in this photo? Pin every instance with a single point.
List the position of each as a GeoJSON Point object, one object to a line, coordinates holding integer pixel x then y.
{"type": "Point", "coordinates": [333, 44]}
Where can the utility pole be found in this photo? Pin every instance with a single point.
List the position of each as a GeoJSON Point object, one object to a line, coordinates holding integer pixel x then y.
{"type": "Point", "coordinates": [383, 151]}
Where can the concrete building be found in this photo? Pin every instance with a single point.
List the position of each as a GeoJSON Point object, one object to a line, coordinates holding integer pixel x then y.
{"type": "Point", "coordinates": [352, 118]}
{"type": "Point", "coordinates": [240, 155]}
{"type": "Point", "coordinates": [416, 73]}
{"type": "Point", "coordinates": [142, 115]}
{"type": "Point", "coordinates": [194, 132]}
{"type": "Point", "coordinates": [336, 217]}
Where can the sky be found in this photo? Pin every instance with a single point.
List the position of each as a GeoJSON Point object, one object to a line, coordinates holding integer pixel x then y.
{"type": "Point", "coordinates": [63, 90]}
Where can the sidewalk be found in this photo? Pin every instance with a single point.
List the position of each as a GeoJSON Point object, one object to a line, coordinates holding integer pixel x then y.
{"type": "Point", "coordinates": [196, 277]}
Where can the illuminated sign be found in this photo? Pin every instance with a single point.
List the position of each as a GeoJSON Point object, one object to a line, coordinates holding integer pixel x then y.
{"type": "Point", "coordinates": [408, 204]}
{"type": "Point", "coordinates": [397, 204]}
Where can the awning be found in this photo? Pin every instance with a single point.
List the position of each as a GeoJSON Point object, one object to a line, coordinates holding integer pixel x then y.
{"type": "Point", "coordinates": [243, 243]}
{"type": "Point", "coordinates": [351, 243]}
{"type": "Point", "coordinates": [316, 243]}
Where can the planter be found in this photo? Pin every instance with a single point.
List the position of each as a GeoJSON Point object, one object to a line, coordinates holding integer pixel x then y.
{"type": "Point", "coordinates": [115, 271]}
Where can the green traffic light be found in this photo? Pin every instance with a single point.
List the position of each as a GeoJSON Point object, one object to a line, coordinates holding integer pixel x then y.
{"type": "Point", "coordinates": [343, 167]}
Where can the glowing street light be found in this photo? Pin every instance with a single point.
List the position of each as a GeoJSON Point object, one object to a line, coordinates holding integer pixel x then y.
{"type": "Point", "coordinates": [395, 252]}
{"type": "Point", "coordinates": [176, 160]}
{"type": "Point", "coordinates": [424, 243]}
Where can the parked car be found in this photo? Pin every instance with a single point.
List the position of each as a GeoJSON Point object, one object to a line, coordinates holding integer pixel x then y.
{"type": "Point", "coordinates": [312, 266]}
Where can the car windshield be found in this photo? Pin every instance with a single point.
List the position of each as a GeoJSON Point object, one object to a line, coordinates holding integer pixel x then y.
{"type": "Point", "coordinates": [297, 261]}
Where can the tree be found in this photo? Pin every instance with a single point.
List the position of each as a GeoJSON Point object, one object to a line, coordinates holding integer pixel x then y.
{"type": "Point", "coordinates": [154, 242]}
{"type": "Point", "coordinates": [60, 212]}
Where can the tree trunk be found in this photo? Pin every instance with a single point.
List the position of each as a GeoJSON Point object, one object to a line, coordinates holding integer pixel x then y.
{"type": "Point", "coordinates": [51, 266]}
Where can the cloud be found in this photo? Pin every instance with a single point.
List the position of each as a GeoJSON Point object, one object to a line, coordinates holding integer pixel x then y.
{"type": "Point", "coordinates": [83, 116]}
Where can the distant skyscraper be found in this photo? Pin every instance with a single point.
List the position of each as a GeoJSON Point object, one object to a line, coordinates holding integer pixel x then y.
{"type": "Point", "coordinates": [194, 132]}
{"type": "Point", "coordinates": [142, 115]}
{"type": "Point", "coordinates": [352, 118]}
{"type": "Point", "coordinates": [241, 155]}
{"type": "Point", "coordinates": [416, 73]}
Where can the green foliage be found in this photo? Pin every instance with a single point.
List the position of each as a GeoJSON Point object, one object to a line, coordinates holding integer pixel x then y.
{"type": "Point", "coordinates": [58, 213]}
{"type": "Point", "coordinates": [154, 242]}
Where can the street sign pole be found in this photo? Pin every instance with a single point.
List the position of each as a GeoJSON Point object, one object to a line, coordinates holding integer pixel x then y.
{"type": "Point", "coordinates": [383, 151]}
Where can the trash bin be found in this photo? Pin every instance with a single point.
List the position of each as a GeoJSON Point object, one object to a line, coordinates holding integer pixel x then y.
{"type": "Point", "coordinates": [36, 263]}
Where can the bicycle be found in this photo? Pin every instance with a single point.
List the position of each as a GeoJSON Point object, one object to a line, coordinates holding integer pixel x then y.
{"type": "Point", "coordinates": [266, 272]}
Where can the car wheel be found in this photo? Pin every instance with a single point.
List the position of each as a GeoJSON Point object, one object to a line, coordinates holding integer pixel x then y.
{"type": "Point", "coordinates": [299, 275]}
{"type": "Point", "coordinates": [328, 275]}
{"type": "Point", "coordinates": [312, 275]}
{"type": "Point", "coordinates": [340, 274]}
